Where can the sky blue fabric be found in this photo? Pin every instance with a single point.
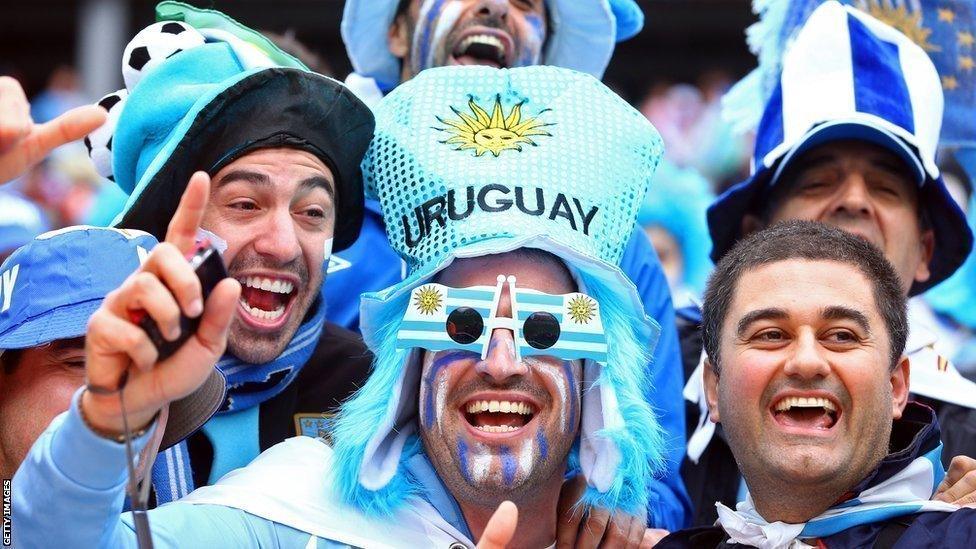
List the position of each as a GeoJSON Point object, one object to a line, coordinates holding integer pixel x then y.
{"type": "Point", "coordinates": [51, 286]}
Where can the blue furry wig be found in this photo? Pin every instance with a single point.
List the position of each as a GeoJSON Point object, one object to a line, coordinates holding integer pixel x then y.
{"type": "Point", "coordinates": [637, 436]}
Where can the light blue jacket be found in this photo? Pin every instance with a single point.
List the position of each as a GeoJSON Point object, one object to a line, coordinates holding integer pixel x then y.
{"type": "Point", "coordinates": [70, 490]}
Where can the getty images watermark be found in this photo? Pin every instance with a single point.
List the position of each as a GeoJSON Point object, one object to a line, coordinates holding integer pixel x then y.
{"type": "Point", "coordinates": [6, 512]}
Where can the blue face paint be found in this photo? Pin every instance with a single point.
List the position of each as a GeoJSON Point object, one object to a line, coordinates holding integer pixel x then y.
{"type": "Point", "coordinates": [431, 377]}
{"type": "Point", "coordinates": [425, 45]}
{"type": "Point", "coordinates": [531, 53]}
{"type": "Point", "coordinates": [574, 391]}
{"type": "Point", "coordinates": [462, 450]}
{"type": "Point", "coordinates": [508, 465]}
{"type": "Point", "coordinates": [543, 445]}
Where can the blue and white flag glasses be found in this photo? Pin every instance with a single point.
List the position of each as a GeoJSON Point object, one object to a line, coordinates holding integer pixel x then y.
{"type": "Point", "coordinates": [566, 326]}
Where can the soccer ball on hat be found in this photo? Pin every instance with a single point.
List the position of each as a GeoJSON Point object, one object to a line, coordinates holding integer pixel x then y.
{"type": "Point", "coordinates": [155, 44]}
{"type": "Point", "coordinates": [99, 142]}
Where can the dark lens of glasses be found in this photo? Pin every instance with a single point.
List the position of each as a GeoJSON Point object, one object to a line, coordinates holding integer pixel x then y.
{"type": "Point", "coordinates": [541, 330]}
{"type": "Point", "coordinates": [465, 325]}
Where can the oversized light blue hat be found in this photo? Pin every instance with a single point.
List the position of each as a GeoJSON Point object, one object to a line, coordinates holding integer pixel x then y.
{"type": "Point", "coordinates": [849, 76]}
{"type": "Point", "coordinates": [472, 161]}
{"type": "Point", "coordinates": [583, 35]}
{"type": "Point", "coordinates": [203, 90]}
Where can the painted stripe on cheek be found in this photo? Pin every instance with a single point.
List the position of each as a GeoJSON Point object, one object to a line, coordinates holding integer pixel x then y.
{"type": "Point", "coordinates": [462, 450]}
{"type": "Point", "coordinates": [435, 370]}
{"type": "Point", "coordinates": [508, 465]}
{"type": "Point", "coordinates": [543, 444]}
{"type": "Point", "coordinates": [573, 401]}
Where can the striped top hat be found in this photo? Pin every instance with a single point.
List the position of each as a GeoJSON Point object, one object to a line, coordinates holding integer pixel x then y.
{"type": "Point", "coordinates": [849, 76]}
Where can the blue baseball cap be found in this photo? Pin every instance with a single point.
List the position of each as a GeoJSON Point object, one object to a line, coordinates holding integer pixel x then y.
{"type": "Point", "coordinates": [21, 221]}
{"type": "Point", "coordinates": [849, 76]}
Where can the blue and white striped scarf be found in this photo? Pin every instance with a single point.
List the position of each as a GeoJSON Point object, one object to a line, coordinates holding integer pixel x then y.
{"type": "Point", "coordinates": [905, 493]}
{"type": "Point", "coordinates": [247, 385]}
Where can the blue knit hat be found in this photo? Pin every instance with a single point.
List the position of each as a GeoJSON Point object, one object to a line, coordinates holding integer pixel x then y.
{"type": "Point", "coordinates": [203, 90]}
{"type": "Point", "coordinates": [582, 38]}
{"type": "Point", "coordinates": [472, 161]}
{"type": "Point", "coordinates": [849, 76]}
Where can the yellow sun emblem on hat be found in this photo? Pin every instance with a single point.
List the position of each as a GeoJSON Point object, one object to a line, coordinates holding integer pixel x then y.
{"type": "Point", "coordinates": [582, 309]}
{"type": "Point", "coordinates": [492, 133]}
{"type": "Point", "coordinates": [427, 300]}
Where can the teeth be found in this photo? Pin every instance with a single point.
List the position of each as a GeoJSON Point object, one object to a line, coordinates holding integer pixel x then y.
{"type": "Point", "coordinates": [805, 402]}
{"type": "Point", "coordinates": [497, 428]}
{"type": "Point", "coordinates": [262, 314]}
{"type": "Point", "coordinates": [483, 39]}
{"type": "Point", "coordinates": [504, 406]}
{"type": "Point", "coordinates": [277, 286]}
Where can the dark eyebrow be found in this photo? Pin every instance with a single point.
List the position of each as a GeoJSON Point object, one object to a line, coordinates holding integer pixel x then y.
{"type": "Point", "coordinates": [319, 182]}
{"type": "Point", "coordinates": [771, 313]}
{"type": "Point", "coordinates": [838, 312]}
{"type": "Point", "coordinates": [255, 178]}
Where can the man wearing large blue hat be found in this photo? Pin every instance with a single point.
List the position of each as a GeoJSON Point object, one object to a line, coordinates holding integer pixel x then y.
{"type": "Point", "coordinates": [848, 137]}
{"type": "Point", "coordinates": [282, 146]}
{"type": "Point", "coordinates": [391, 41]}
{"type": "Point", "coordinates": [514, 352]}
{"type": "Point", "coordinates": [49, 288]}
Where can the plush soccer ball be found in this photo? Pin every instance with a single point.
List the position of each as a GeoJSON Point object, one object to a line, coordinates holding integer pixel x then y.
{"type": "Point", "coordinates": [153, 45]}
{"type": "Point", "coordinates": [99, 142]}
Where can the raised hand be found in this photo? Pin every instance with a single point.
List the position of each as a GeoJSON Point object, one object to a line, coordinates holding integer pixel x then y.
{"type": "Point", "coordinates": [959, 484]}
{"type": "Point", "coordinates": [23, 143]}
{"type": "Point", "coordinates": [597, 528]}
{"type": "Point", "coordinates": [163, 286]}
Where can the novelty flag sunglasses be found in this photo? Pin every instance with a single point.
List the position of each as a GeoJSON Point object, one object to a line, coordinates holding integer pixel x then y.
{"type": "Point", "coordinates": [566, 326]}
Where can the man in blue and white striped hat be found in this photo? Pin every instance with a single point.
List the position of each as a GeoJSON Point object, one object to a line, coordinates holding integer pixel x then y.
{"type": "Point", "coordinates": [848, 138]}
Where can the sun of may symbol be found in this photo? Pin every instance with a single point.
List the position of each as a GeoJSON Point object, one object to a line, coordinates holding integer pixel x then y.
{"type": "Point", "coordinates": [581, 309]}
{"type": "Point", "coordinates": [428, 300]}
{"type": "Point", "coordinates": [492, 133]}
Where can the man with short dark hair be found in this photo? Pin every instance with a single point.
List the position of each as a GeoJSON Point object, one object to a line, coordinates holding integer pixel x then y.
{"type": "Point", "coordinates": [807, 376]}
{"type": "Point", "coordinates": [848, 138]}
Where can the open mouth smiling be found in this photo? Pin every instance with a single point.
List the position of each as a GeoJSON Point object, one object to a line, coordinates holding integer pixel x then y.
{"type": "Point", "coordinates": [806, 414]}
{"type": "Point", "coordinates": [498, 417]}
{"type": "Point", "coordinates": [266, 300]}
{"type": "Point", "coordinates": [484, 47]}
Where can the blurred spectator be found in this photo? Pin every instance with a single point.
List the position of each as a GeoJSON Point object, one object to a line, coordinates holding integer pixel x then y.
{"type": "Point", "coordinates": [292, 46]}
{"type": "Point", "coordinates": [20, 223]}
{"type": "Point", "coordinates": [61, 94]}
{"type": "Point", "coordinates": [673, 217]}
{"type": "Point", "coordinates": [695, 135]}
{"type": "Point", "coordinates": [950, 307]}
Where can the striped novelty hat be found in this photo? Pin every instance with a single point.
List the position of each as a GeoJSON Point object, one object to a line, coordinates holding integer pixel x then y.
{"type": "Point", "coordinates": [849, 76]}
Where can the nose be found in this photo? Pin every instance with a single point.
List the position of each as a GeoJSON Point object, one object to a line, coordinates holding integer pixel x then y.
{"type": "Point", "coordinates": [493, 9]}
{"type": "Point", "coordinates": [854, 198]}
{"type": "Point", "coordinates": [500, 365]}
{"type": "Point", "coordinates": [807, 360]}
{"type": "Point", "coordinates": [278, 237]}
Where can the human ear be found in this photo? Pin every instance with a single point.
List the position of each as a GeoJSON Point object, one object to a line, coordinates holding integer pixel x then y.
{"type": "Point", "coordinates": [751, 224]}
{"type": "Point", "coordinates": [899, 387]}
{"type": "Point", "coordinates": [927, 242]}
{"type": "Point", "coordinates": [397, 38]}
{"type": "Point", "coordinates": [711, 390]}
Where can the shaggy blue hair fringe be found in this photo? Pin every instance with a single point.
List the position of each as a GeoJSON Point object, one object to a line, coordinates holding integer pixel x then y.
{"type": "Point", "coordinates": [641, 441]}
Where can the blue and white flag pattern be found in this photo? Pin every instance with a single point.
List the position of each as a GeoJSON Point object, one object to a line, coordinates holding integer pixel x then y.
{"type": "Point", "coordinates": [581, 327]}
